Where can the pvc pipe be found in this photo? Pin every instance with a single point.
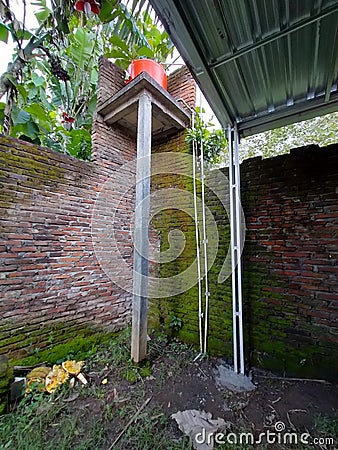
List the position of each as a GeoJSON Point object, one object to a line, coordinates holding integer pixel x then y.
{"type": "Point", "coordinates": [205, 241]}
{"type": "Point", "coordinates": [198, 259]}
{"type": "Point", "coordinates": [200, 312]}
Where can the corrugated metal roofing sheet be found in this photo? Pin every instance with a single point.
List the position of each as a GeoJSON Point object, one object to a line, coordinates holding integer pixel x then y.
{"type": "Point", "coordinates": [260, 63]}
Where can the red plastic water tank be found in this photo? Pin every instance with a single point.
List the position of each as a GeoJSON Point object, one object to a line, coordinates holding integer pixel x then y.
{"type": "Point", "coordinates": [153, 68]}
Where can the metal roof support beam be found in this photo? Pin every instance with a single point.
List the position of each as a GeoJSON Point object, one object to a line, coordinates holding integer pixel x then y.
{"type": "Point", "coordinates": [333, 69]}
{"type": "Point", "coordinates": [313, 108]}
{"type": "Point", "coordinates": [295, 27]}
{"type": "Point", "coordinates": [236, 247]}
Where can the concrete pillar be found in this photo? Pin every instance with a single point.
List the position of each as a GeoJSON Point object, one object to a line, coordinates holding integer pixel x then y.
{"type": "Point", "coordinates": [141, 238]}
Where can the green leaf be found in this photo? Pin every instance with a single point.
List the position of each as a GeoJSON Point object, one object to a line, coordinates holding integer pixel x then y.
{"type": "Point", "coordinates": [79, 144]}
{"type": "Point", "coordinates": [24, 34]}
{"type": "Point", "coordinates": [32, 92]}
{"type": "Point", "coordinates": [19, 116]}
{"type": "Point", "coordinates": [12, 79]}
{"type": "Point", "coordinates": [2, 112]}
{"type": "Point", "coordinates": [123, 63]}
{"type": "Point", "coordinates": [145, 51]}
{"type": "Point", "coordinates": [50, 143]}
{"type": "Point", "coordinates": [3, 33]}
{"type": "Point", "coordinates": [22, 91]}
{"type": "Point", "coordinates": [94, 76]}
{"type": "Point", "coordinates": [40, 115]}
{"type": "Point", "coordinates": [42, 15]}
{"type": "Point", "coordinates": [108, 10]}
{"type": "Point", "coordinates": [62, 22]}
{"type": "Point", "coordinates": [38, 80]}
{"type": "Point", "coordinates": [81, 51]}
{"type": "Point", "coordinates": [153, 33]}
{"type": "Point", "coordinates": [29, 129]}
{"type": "Point", "coordinates": [92, 106]}
{"type": "Point", "coordinates": [114, 53]}
{"type": "Point", "coordinates": [120, 43]}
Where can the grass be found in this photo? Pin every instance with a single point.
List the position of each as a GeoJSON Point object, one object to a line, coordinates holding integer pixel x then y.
{"type": "Point", "coordinates": [92, 421]}
{"type": "Point", "coordinates": [45, 424]}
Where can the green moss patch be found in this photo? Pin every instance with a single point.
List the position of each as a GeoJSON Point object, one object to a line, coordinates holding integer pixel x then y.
{"type": "Point", "coordinates": [79, 345]}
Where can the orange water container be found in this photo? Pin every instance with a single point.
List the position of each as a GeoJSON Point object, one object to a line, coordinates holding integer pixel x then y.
{"type": "Point", "coordinates": [153, 68]}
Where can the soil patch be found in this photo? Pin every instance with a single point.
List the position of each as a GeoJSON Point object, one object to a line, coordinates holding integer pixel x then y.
{"type": "Point", "coordinates": [124, 406]}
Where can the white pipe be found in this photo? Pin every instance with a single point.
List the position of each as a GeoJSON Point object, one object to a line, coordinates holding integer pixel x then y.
{"type": "Point", "coordinates": [200, 312]}
{"type": "Point", "coordinates": [197, 236]}
{"type": "Point", "coordinates": [239, 247]}
{"type": "Point", "coordinates": [203, 345]}
{"type": "Point", "coordinates": [205, 242]}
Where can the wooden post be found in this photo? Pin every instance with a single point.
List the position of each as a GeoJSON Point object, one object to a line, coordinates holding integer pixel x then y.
{"type": "Point", "coordinates": [141, 233]}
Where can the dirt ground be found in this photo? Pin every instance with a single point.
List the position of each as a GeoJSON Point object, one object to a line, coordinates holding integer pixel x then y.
{"type": "Point", "coordinates": [177, 383]}
{"type": "Point", "coordinates": [295, 403]}
{"type": "Point", "coordinates": [128, 407]}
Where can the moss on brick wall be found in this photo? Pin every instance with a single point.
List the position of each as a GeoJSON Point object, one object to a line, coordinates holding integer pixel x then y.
{"type": "Point", "coordinates": [185, 306]}
{"type": "Point", "coordinates": [290, 204]}
{"type": "Point", "coordinates": [289, 261]}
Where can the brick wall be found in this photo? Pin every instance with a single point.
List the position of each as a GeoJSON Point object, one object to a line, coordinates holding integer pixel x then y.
{"type": "Point", "coordinates": [289, 261]}
{"type": "Point", "coordinates": [49, 271]}
{"type": "Point", "coordinates": [182, 86]}
{"type": "Point", "coordinates": [53, 207]}
{"type": "Point", "coordinates": [111, 147]}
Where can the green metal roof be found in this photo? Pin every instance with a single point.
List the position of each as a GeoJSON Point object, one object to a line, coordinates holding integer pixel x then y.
{"type": "Point", "coordinates": [260, 63]}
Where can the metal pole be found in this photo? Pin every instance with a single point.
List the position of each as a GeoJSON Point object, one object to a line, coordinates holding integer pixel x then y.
{"type": "Point", "coordinates": [239, 253]}
{"type": "Point", "coordinates": [141, 232]}
{"type": "Point", "coordinates": [232, 245]}
{"type": "Point", "coordinates": [236, 241]}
